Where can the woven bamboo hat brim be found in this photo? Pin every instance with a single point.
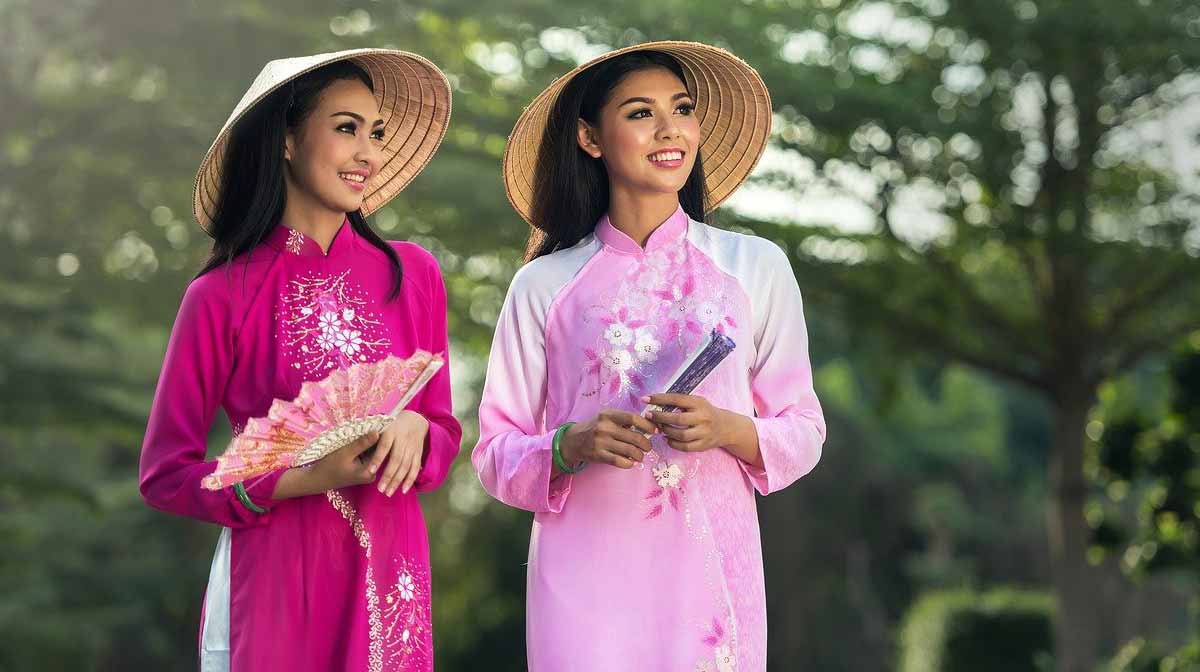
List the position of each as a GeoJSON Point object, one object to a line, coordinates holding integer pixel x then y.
{"type": "Point", "coordinates": [731, 100]}
{"type": "Point", "coordinates": [414, 101]}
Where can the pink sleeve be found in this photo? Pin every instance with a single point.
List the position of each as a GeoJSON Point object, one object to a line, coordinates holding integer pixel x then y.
{"type": "Point", "coordinates": [445, 434]}
{"type": "Point", "coordinates": [788, 417]}
{"type": "Point", "coordinates": [513, 456]}
{"type": "Point", "coordinates": [194, 375]}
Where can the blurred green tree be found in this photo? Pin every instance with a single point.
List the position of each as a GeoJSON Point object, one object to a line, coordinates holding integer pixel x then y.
{"type": "Point", "coordinates": [1147, 460]}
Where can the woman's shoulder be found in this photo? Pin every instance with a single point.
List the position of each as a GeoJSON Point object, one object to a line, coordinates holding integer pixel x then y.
{"type": "Point", "coordinates": [221, 283]}
{"type": "Point", "coordinates": [738, 253]}
{"type": "Point", "coordinates": [416, 260]}
{"type": "Point", "coordinates": [229, 290]}
{"type": "Point", "coordinates": [736, 241]}
{"type": "Point", "coordinates": [419, 266]}
{"type": "Point", "coordinates": [550, 272]}
{"type": "Point", "coordinates": [211, 296]}
{"type": "Point", "coordinates": [413, 253]}
{"type": "Point", "coordinates": [540, 283]}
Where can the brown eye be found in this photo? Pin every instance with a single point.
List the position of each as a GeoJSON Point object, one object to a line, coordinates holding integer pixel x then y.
{"type": "Point", "coordinates": [643, 113]}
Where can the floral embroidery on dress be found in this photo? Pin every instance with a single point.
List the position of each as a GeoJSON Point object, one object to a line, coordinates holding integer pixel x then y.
{"type": "Point", "coordinates": [326, 324]}
{"type": "Point", "coordinates": [398, 623]}
{"type": "Point", "coordinates": [661, 303]}
{"type": "Point", "coordinates": [404, 617]}
{"type": "Point", "coordinates": [668, 475]}
{"type": "Point", "coordinates": [295, 241]}
{"type": "Point", "coordinates": [668, 490]}
{"type": "Point", "coordinates": [723, 658]}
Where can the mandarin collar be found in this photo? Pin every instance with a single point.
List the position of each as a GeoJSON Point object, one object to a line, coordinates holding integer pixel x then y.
{"type": "Point", "coordinates": [293, 242]}
{"type": "Point", "coordinates": [665, 234]}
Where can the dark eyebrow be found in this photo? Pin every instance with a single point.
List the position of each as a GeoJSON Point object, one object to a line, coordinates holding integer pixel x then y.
{"type": "Point", "coordinates": [357, 117]}
{"type": "Point", "coordinates": [650, 101]}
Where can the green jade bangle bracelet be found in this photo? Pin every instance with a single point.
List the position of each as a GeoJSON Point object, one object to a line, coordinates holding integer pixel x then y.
{"type": "Point", "coordinates": [558, 458]}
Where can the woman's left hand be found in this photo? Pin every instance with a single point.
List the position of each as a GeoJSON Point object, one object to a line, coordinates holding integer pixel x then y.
{"type": "Point", "coordinates": [402, 444]}
{"type": "Point", "coordinates": [695, 427]}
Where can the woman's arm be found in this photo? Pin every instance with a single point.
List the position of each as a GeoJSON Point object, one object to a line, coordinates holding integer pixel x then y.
{"type": "Point", "coordinates": [195, 372]}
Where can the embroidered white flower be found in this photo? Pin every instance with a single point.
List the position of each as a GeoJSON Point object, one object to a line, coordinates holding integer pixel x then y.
{"type": "Point", "coordinates": [329, 323]}
{"type": "Point", "coordinates": [708, 314]}
{"type": "Point", "coordinates": [324, 341]}
{"type": "Point", "coordinates": [404, 636]}
{"type": "Point", "coordinates": [619, 360]}
{"type": "Point", "coordinates": [668, 475]}
{"type": "Point", "coordinates": [725, 659]}
{"type": "Point", "coordinates": [645, 345]}
{"type": "Point", "coordinates": [348, 314]}
{"type": "Point", "coordinates": [406, 587]}
{"type": "Point", "coordinates": [348, 341]}
{"type": "Point", "coordinates": [618, 334]}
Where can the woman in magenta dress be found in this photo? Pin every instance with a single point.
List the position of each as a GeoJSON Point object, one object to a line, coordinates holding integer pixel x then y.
{"type": "Point", "coordinates": [324, 567]}
{"type": "Point", "coordinates": [648, 559]}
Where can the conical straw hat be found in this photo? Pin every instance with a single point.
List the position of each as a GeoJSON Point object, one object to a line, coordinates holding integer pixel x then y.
{"type": "Point", "coordinates": [731, 100]}
{"type": "Point", "coordinates": [414, 101]}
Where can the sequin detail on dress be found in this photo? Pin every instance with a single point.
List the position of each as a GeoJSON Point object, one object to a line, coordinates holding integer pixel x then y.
{"type": "Point", "coordinates": [326, 323]}
{"type": "Point", "coordinates": [398, 621]}
{"type": "Point", "coordinates": [295, 241]}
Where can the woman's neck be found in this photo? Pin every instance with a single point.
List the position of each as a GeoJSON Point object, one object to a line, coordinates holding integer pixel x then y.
{"type": "Point", "coordinates": [309, 218]}
{"type": "Point", "coordinates": [638, 215]}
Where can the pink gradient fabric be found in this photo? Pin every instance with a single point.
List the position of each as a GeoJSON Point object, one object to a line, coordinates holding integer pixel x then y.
{"type": "Point", "coordinates": [658, 567]}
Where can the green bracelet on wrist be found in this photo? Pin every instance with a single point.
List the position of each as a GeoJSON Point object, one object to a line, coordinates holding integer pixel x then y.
{"type": "Point", "coordinates": [245, 499]}
{"type": "Point", "coordinates": [558, 458]}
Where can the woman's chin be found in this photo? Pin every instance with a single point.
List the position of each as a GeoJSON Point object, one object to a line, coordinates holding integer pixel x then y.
{"type": "Point", "coordinates": [668, 189]}
{"type": "Point", "coordinates": [657, 188]}
{"type": "Point", "coordinates": [348, 205]}
{"type": "Point", "coordinates": [668, 186]}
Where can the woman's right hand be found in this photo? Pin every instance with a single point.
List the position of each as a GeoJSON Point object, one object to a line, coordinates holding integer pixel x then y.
{"type": "Point", "coordinates": [344, 466]}
{"type": "Point", "coordinates": [619, 438]}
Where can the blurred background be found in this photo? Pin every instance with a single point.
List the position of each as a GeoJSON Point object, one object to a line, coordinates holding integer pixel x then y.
{"type": "Point", "coordinates": [991, 207]}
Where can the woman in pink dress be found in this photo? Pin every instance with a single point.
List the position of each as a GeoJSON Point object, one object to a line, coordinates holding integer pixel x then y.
{"type": "Point", "coordinates": [649, 558]}
{"type": "Point", "coordinates": [324, 567]}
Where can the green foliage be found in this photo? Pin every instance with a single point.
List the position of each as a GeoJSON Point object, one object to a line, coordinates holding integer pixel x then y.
{"type": "Point", "coordinates": [965, 631]}
{"type": "Point", "coordinates": [1150, 467]}
{"type": "Point", "coordinates": [908, 496]}
{"type": "Point", "coordinates": [1140, 656]}
{"type": "Point", "coordinates": [1042, 253]}
{"type": "Point", "coordinates": [1146, 459]}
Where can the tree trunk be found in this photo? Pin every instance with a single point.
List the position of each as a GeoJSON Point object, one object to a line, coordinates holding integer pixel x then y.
{"type": "Point", "coordinates": [1075, 582]}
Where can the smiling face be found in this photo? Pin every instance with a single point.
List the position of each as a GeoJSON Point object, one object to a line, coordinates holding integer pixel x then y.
{"type": "Point", "coordinates": [646, 133]}
{"type": "Point", "coordinates": [336, 149]}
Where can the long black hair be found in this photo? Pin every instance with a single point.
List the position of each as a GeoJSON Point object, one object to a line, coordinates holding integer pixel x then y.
{"type": "Point", "coordinates": [570, 188]}
{"type": "Point", "coordinates": [253, 193]}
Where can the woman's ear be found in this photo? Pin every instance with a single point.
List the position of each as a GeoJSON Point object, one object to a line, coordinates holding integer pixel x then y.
{"type": "Point", "coordinates": [588, 140]}
{"type": "Point", "coordinates": [288, 142]}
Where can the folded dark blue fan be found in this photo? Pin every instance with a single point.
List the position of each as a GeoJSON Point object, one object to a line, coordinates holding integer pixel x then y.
{"type": "Point", "coordinates": [697, 367]}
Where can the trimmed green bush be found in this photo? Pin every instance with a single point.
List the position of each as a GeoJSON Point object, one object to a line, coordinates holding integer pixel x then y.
{"type": "Point", "coordinates": [1002, 630]}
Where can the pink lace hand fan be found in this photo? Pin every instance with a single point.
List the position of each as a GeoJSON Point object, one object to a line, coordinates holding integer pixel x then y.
{"type": "Point", "coordinates": [324, 417]}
